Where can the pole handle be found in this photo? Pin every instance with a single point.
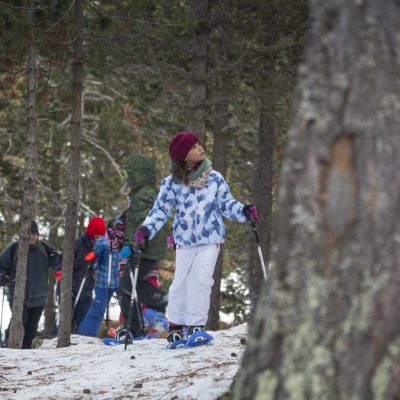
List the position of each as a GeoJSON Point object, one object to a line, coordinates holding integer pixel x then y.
{"type": "Point", "coordinates": [254, 226]}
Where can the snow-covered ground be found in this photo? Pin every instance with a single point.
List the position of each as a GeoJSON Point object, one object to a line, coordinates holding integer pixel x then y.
{"type": "Point", "coordinates": [146, 370]}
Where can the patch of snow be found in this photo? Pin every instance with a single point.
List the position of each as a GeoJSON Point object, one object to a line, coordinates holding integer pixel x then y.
{"type": "Point", "coordinates": [146, 370]}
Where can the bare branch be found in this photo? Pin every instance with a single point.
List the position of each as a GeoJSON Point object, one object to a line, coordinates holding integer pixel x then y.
{"type": "Point", "coordinates": [62, 17]}
{"type": "Point", "coordinates": [113, 162]}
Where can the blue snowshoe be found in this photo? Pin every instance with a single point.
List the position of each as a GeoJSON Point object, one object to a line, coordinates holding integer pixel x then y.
{"type": "Point", "coordinates": [188, 337]}
{"type": "Point", "coordinates": [197, 336]}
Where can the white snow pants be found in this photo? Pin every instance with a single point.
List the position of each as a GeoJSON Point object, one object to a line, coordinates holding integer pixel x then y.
{"type": "Point", "coordinates": [189, 294]}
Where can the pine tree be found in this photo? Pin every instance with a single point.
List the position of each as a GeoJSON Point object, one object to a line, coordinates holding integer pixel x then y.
{"type": "Point", "coordinates": [28, 211]}
{"type": "Point", "coordinates": [73, 180]}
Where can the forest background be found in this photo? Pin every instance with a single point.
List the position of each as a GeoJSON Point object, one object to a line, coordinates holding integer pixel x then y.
{"type": "Point", "coordinates": [224, 69]}
{"type": "Point", "coordinates": [327, 322]}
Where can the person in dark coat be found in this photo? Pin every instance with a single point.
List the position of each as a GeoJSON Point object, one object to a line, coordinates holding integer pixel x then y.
{"type": "Point", "coordinates": [41, 257]}
{"type": "Point", "coordinates": [83, 268]}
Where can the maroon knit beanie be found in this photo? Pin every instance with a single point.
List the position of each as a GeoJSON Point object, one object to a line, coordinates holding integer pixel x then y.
{"type": "Point", "coordinates": [96, 226]}
{"type": "Point", "coordinates": [181, 144]}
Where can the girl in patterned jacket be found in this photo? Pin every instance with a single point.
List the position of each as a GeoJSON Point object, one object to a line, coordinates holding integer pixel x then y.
{"type": "Point", "coordinates": [201, 197]}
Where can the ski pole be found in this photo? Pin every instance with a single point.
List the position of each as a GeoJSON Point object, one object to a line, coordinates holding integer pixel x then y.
{"type": "Point", "coordinates": [133, 301]}
{"type": "Point", "coordinates": [90, 257]}
{"type": "Point", "coordinates": [78, 295]}
{"type": "Point", "coordinates": [260, 255]}
{"type": "Point", "coordinates": [1, 318]}
{"type": "Point", "coordinates": [137, 302]}
{"type": "Point", "coordinates": [108, 286]}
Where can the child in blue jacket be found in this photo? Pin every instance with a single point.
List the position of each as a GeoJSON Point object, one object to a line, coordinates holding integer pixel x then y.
{"type": "Point", "coordinates": [201, 197]}
{"type": "Point", "coordinates": [106, 249]}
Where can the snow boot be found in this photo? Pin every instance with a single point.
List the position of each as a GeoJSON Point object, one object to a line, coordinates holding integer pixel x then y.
{"type": "Point", "coordinates": [193, 329]}
{"type": "Point", "coordinates": [120, 334]}
{"type": "Point", "coordinates": [176, 333]}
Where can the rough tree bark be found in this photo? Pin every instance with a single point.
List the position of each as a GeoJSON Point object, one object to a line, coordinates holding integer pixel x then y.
{"type": "Point", "coordinates": [197, 100]}
{"type": "Point", "coordinates": [28, 211]}
{"type": "Point", "coordinates": [72, 181]}
{"type": "Point", "coordinates": [327, 324]}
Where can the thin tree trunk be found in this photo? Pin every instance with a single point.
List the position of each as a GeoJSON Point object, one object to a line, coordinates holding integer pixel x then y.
{"type": "Point", "coordinates": [197, 100]}
{"type": "Point", "coordinates": [262, 197]}
{"type": "Point", "coordinates": [220, 165]}
{"type": "Point", "coordinates": [72, 182]}
{"type": "Point", "coordinates": [327, 323]}
{"type": "Point", "coordinates": [274, 82]}
{"type": "Point", "coordinates": [28, 211]}
{"type": "Point", "coordinates": [264, 163]}
{"type": "Point", "coordinates": [49, 310]}
{"type": "Point", "coordinates": [221, 126]}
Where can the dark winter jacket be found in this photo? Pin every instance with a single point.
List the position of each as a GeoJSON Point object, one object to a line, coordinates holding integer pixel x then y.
{"type": "Point", "coordinates": [41, 257]}
{"type": "Point", "coordinates": [82, 247]}
{"type": "Point", "coordinates": [142, 181]}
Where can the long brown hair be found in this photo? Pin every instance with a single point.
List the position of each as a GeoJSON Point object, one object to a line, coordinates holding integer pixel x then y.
{"type": "Point", "coordinates": [180, 172]}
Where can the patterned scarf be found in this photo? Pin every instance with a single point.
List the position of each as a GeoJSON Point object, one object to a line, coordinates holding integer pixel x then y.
{"type": "Point", "coordinates": [199, 177]}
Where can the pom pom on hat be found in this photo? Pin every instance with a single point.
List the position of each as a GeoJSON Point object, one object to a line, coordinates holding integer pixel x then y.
{"type": "Point", "coordinates": [181, 144]}
{"type": "Point", "coordinates": [96, 226]}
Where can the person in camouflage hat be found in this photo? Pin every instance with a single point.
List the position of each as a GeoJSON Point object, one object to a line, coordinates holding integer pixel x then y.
{"type": "Point", "coordinates": [141, 190]}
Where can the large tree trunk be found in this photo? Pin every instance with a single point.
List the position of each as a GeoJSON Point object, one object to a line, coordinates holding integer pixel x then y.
{"type": "Point", "coordinates": [197, 101]}
{"type": "Point", "coordinates": [28, 211]}
{"type": "Point", "coordinates": [72, 182]}
{"type": "Point", "coordinates": [327, 324]}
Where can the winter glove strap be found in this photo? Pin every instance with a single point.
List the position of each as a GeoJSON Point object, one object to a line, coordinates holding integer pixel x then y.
{"type": "Point", "coordinates": [250, 212]}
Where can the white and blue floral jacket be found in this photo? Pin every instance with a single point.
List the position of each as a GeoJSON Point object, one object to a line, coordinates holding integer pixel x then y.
{"type": "Point", "coordinates": [198, 217]}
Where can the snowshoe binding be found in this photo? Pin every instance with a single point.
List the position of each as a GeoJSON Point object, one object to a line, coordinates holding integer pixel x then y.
{"type": "Point", "coordinates": [197, 336]}
{"type": "Point", "coordinates": [120, 337]}
{"type": "Point", "coordinates": [192, 336]}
